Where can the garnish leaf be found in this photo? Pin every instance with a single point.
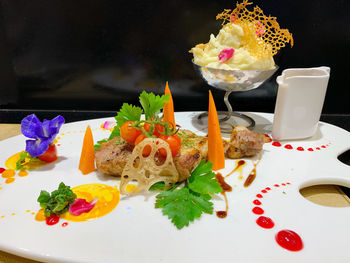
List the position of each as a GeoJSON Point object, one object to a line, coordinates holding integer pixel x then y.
{"type": "Point", "coordinates": [152, 104]}
{"type": "Point", "coordinates": [182, 206]}
{"type": "Point", "coordinates": [99, 144]}
{"type": "Point", "coordinates": [59, 200]}
{"type": "Point", "coordinates": [24, 158]}
{"type": "Point", "coordinates": [203, 181]}
{"type": "Point", "coordinates": [127, 113]}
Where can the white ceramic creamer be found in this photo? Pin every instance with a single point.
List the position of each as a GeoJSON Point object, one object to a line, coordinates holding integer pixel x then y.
{"type": "Point", "coordinates": [300, 97]}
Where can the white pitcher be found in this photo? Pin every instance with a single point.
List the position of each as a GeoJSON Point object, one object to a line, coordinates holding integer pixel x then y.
{"type": "Point", "coordinates": [300, 97]}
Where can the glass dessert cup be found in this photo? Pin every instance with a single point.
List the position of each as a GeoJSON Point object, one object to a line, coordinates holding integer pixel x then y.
{"type": "Point", "coordinates": [232, 81]}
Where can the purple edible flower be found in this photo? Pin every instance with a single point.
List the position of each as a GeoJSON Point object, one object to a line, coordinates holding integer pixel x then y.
{"type": "Point", "coordinates": [43, 133]}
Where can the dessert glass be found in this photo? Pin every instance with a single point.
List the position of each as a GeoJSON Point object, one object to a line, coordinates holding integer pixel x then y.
{"type": "Point", "coordinates": [232, 81]}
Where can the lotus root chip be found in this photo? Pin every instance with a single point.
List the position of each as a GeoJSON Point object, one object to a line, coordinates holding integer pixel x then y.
{"type": "Point", "coordinates": [145, 171]}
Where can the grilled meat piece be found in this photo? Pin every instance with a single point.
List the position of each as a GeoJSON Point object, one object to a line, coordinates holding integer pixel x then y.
{"type": "Point", "coordinates": [112, 156]}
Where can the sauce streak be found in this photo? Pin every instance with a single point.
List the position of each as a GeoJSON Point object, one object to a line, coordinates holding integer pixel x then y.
{"type": "Point", "coordinates": [226, 188]}
{"type": "Point", "coordinates": [251, 177]}
{"type": "Point", "coordinates": [290, 240]}
{"type": "Point", "coordinates": [239, 166]}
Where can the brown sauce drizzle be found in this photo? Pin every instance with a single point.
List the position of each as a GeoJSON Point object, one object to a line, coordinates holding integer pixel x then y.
{"type": "Point", "coordinates": [251, 177]}
{"type": "Point", "coordinates": [239, 164]}
{"type": "Point", "coordinates": [226, 188]}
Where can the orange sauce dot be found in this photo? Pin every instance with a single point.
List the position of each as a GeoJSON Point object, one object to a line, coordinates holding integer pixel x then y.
{"type": "Point", "coordinates": [22, 173]}
{"type": "Point", "coordinates": [13, 214]}
{"type": "Point", "coordinates": [9, 180]}
{"type": "Point", "coordinates": [0, 188]}
{"type": "Point", "coordinates": [27, 211]}
{"type": "Point", "coordinates": [40, 216]}
{"type": "Point", "coordinates": [8, 173]}
{"type": "Point", "coordinates": [33, 213]}
{"type": "Point", "coordinates": [2, 216]}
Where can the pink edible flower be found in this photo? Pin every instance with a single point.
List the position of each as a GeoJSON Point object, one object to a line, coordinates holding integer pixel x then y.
{"type": "Point", "coordinates": [80, 206]}
{"type": "Point", "coordinates": [226, 54]}
{"type": "Point", "coordinates": [108, 125]}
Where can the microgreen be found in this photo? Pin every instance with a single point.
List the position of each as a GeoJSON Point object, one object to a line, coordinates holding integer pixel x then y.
{"type": "Point", "coordinates": [24, 158]}
{"type": "Point", "coordinates": [99, 144]}
{"type": "Point", "coordinates": [59, 200]}
{"type": "Point", "coordinates": [184, 205]}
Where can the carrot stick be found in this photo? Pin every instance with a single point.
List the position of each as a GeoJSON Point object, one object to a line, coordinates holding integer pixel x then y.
{"type": "Point", "coordinates": [87, 157]}
{"type": "Point", "coordinates": [168, 109]}
{"type": "Point", "coordinates": [215, 146]}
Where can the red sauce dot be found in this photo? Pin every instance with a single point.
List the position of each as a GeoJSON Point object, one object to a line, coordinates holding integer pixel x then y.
{"type": "Point", "coordinates": [65, 224]}
{"type": "Point", "coordinates": [221, 214]}
{"type": "Point", "coordinates": [258, 210]}
{"type": "Point", "coordinates": [277, 144]}
{"type": "Point", "coordinates": [52, 220]}
{"type": "Point", "coordinates": [259, 196]}
{"type": "Point", "coordinates": [264, 191]}
{"type": "Point", "coordinates": [288, 146]}
{"type": "Point", "coordinates": [284, 184]}
{"type": "Point", "coordinates": [300, 149]}
{"type": "Point", "coordinates": [318, 148]}
{"type": "Point", "coordinates": [290, 240]}
{"type": "Point", "coordinates": [256, 202]}
{"type": "Point", "coordinates": [310, 149]}
{"type": "Point", "coordinates": [2, 170]}
{"type": "Point", "coordinates": [268, 188]}
{"type": "Point", "coordinates": [276, 185]}
{"type": "Point", "coordinates": [268, 138]}
{"type": "Point", "coordinates": [58, 144]}
{"type": "Point", "coordinates": [323, 146]}
{"type": "Point", "coordinates": [288, 183]}
{"type": "Point", "coordinates": [265, 222]}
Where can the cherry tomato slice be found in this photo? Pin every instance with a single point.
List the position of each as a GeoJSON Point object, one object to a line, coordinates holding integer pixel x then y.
{"type": "Point", "coordinates": [50, 155]}
{"type": "Point", "coordinates": [174, 142]}
{"type": "Point", "coordinates": [129, 133]}
{"type": "Point", "coordinates": [157, 129]}
{"type": "Point", "coordinates": [147, 150]}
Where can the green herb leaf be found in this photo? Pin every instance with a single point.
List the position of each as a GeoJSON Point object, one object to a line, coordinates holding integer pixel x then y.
{"type": "Point", "coordinates": [158, 186]}
{"type": "Point", "coordinates": [59, 200]}
{"type": "Point", "coordinates": [182, 206]}
{"type": "Point", "coordinates": [152, 104]}
{"type": "Point", "coordinates": [127, 113]}
{"type": "Point", "coordinates": [22, 160]}
{"type": "Point", "coordinates": [203, 181]}
{"type": "Point", "coordinates": [99, 143]}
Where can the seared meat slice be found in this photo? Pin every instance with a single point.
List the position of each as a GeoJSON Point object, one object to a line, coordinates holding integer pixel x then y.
{"type": "Point", "coordinates": [244, 143]}
{"type": "Point", "coordinates": [112, 156]}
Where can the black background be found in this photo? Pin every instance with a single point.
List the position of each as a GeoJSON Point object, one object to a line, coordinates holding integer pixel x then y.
{"type": "Point", "coordinates": [51, 51]}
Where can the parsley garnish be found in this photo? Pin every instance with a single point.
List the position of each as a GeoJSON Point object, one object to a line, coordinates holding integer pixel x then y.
{"type": "Point", "coordinates": [184, 205]}
{"type": "Point", "coordinates": [59, 200]}
{"type": "Point", "coordinates": [152, 104]}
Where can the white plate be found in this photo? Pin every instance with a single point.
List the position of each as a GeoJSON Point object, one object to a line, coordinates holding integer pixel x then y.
{"type": "Point", "coordinates": [137, 232]}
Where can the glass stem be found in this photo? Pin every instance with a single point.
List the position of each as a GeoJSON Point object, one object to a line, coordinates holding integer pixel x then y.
{"type": "Point", "coordinates": [228, 105]}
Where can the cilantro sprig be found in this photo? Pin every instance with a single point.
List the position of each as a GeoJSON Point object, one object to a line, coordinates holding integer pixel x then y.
{"type": "Point", "coordinates": [184, 205]}
{"type": "Point", "coordinates": [58, 201]}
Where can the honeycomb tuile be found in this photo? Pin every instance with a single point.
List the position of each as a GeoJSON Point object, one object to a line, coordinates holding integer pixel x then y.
{"type": "Point", "coordinates": [263, 36]}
